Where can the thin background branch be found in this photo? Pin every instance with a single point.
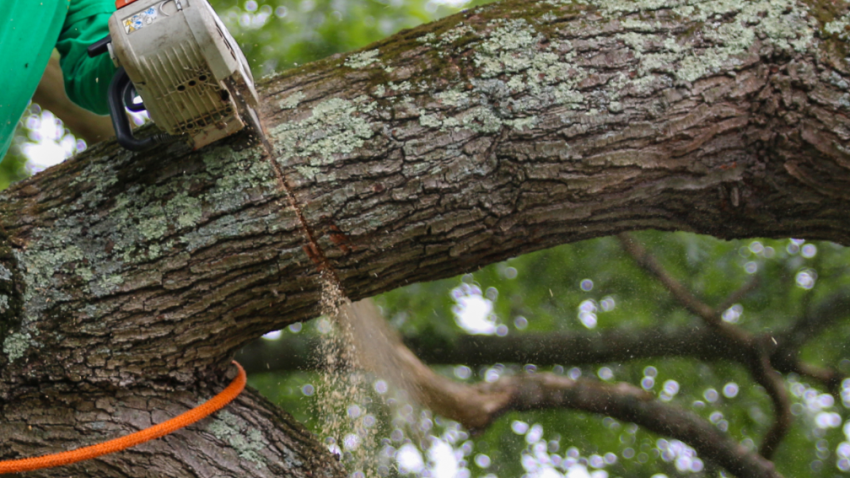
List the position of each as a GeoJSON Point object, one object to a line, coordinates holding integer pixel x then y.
{"type": "Point", "coordinates": [757, 354]}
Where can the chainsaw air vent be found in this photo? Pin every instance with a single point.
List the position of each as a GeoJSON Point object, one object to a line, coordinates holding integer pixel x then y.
{"type": "Point", "coordinates": [226, 43]}
{"type": "Point", "coordinates": [189, 71]}
{"type": "Point", "coordinates": [186, 98]}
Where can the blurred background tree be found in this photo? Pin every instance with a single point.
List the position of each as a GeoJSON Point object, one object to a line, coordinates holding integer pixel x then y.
{"type": "Point", "coordinates": [777, 291]}
{"type": "Point", "coordinates": [508, 319]}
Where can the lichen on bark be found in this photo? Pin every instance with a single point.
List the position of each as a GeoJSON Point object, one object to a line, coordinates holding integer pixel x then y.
{"type": "Point", "coordinates": [506, 129]}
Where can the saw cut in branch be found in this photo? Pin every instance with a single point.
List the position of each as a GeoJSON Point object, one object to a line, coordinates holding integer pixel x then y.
{"type": "Point", "coordinates": [506, 129]}
{"type": "Point", "coordinates": [417, 158]}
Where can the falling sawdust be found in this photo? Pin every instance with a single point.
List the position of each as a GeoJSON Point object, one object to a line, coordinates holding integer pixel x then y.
{"type": "Point", "coordinates": [342, 385]}
{"type": "Point", "coordinates": [343, 398]}
{"type": "Point", "coordinates": [342, 391]}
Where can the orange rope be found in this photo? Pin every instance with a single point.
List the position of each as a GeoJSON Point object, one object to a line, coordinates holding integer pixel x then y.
{"type": "Point", "coordinates": [86, 453]}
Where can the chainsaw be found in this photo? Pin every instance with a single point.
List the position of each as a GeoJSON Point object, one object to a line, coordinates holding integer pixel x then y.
{"type": "Point", "coordinates": [191, 76]}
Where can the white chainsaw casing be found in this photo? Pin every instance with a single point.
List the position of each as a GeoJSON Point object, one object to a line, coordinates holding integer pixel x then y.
{"type": "Point", "coordinates": [188, 70]}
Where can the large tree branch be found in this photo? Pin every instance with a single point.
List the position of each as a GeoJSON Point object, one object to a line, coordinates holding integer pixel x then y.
{"type": "Point", "coordinates": [251, 437]}
{"type": "Point", "coordinates": [392, 156]}
{"type": "Point", "coordinates": [506, 129]}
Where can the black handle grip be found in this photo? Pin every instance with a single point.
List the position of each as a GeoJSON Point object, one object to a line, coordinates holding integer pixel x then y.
{"type": "Point", "coordinates": [118, 90]}
{"type": "Point", "coordinates": [99, 47]}
{"type": "Point", "coordinates": [129, 97]}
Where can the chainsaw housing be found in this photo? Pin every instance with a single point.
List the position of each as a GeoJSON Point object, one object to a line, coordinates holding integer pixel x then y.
{"type": "Point", "coordinates": [192, 77]}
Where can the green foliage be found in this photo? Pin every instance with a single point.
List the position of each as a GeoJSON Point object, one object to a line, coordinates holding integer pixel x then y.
{"type": "Point", "coordinates": [12, 167]}
{"type": "Point", "coordinates": [548, 288]}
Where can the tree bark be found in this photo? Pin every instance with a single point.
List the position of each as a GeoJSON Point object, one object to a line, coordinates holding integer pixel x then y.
{"type": "Point", "coordinates": [506, 129]}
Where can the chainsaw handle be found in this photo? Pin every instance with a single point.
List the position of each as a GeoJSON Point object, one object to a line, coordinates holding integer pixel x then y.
{"type": "Point", "coordinates": [118, 89]}
{"type": "Point", "coordinates": [99, 47]}
{"type": "Point", "coordinates": [129, 97]}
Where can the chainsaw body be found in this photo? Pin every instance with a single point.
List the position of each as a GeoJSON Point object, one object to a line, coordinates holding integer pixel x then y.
{"type": "Point", "coordinates": [179, 58]}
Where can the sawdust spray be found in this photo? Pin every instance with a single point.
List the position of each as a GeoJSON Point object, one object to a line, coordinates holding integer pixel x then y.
{"type": "Point", "coordinates": [343, 399]}
{"type": "Point", "coordinates": [341, 402]}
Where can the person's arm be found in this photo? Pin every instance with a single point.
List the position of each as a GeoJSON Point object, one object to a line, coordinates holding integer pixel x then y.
{"type": "Point", "coordinates": [86, 79]}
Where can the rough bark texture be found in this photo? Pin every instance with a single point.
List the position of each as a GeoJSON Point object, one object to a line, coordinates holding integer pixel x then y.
{"type": "Point", "coordinates": [251, 437]}
{"type": "Point", "coordinates": [506, 129]}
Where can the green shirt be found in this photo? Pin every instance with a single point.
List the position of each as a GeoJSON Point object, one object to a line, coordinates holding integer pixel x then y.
{"type": "Point", "coordinates": [29, 30]}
